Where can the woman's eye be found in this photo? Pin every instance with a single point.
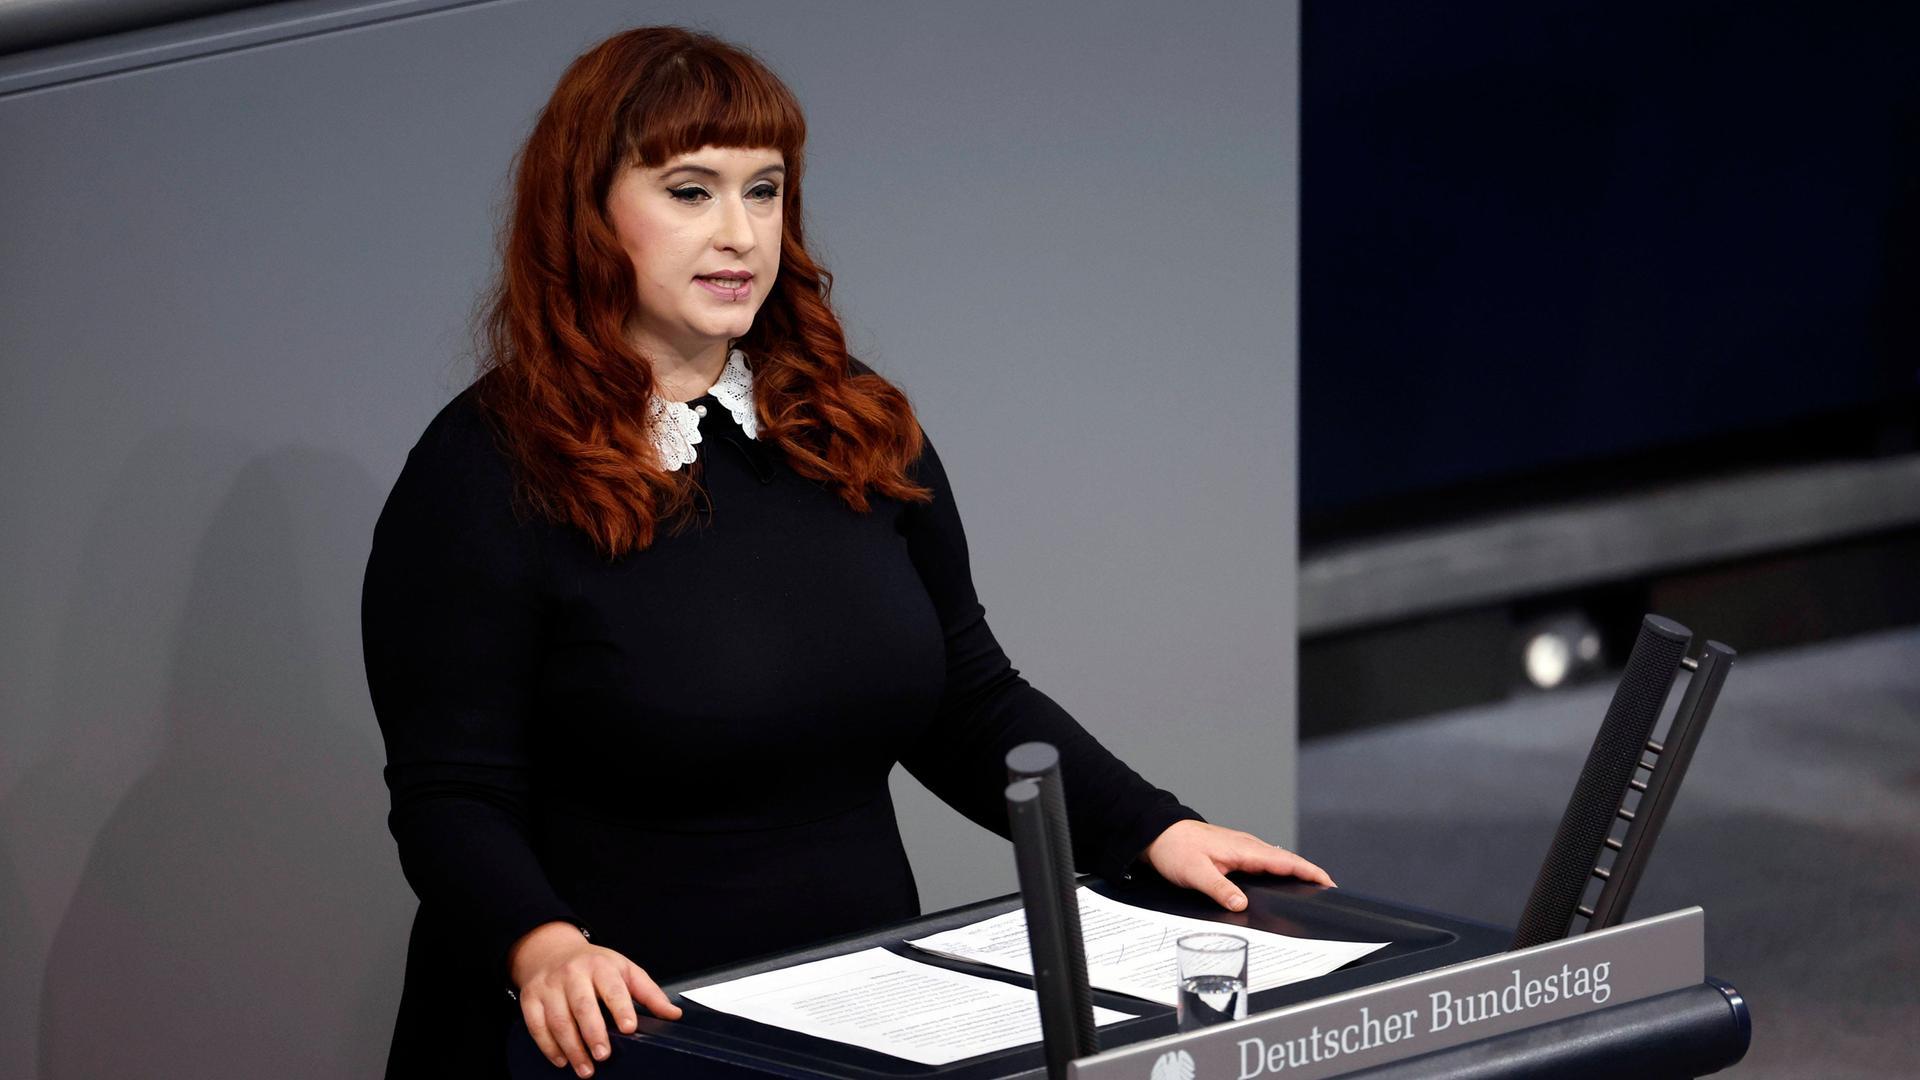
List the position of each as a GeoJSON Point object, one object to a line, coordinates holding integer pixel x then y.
{"type": "Point", "coordinates": [764, 193]}
{"type": "Point", "coordinates": [687, 194]}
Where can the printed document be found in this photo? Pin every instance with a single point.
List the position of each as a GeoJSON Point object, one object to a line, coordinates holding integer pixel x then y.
{"type": "Point", "coordinates": [1130, 949]}
{"type": "Point", "coordinates": [888, 1003]}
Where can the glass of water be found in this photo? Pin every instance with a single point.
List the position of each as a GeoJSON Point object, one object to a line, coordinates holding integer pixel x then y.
{"type": "Point", "coordinates": [1213, 979]}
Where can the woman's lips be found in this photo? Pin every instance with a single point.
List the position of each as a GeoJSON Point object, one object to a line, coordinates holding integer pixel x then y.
{"type": "Point", "coordinates": [732, 289]}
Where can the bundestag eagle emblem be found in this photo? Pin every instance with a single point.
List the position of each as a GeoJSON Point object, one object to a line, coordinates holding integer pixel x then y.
{"type": "Point", "coordinates": [1174, 1065]}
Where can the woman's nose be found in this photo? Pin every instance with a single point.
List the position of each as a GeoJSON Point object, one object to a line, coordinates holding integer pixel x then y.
{"type": "Point", "coordinates": [735, 232]}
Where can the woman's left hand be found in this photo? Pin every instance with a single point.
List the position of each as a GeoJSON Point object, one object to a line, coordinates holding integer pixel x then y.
{"type": "Point", "coordinates": [1197, 855]}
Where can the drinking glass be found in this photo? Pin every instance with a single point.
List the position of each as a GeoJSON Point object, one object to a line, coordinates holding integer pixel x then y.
{"type": "Point", "coordinates": [1213, 979]}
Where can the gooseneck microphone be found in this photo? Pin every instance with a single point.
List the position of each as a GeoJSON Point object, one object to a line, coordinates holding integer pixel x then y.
{"type": "Point", "coordinates": [1043, 846]}
{"type": "Point", "coordinates": [1599, 795]}
{"type": "Point", "coordinates": [1668, 766]}
{"type": "Point", "coordinates": [1046, 938]}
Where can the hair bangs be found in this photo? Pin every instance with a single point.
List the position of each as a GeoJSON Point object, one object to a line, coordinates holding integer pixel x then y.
{"type": "Point", "coordinates": [700, 97]}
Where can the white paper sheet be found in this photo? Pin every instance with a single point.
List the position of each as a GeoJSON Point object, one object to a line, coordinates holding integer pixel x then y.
{"type": "Point", "coordinates": [888, 1003]}
{"type": "Point", "coordinates": [1130, 949]}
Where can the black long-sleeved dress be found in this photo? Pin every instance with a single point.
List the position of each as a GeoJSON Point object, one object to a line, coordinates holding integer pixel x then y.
{"type": "Point", "coordinates": [686, 749]}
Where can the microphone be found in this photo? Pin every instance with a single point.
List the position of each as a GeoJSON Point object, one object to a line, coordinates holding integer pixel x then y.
{"type": "Point", "coordinates": [1044, 847]}
{"type": "Point", "coordinates": [1602, 787]}
{"type": "Point", "coordinates": [1671, 756]}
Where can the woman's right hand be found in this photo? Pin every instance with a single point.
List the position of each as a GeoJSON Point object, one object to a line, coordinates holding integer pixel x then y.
{"type": "Point", "coordinates": [562, 978]}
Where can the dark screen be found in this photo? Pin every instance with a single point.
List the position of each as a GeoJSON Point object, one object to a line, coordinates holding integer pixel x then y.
{"type": "Point", "coordinates": [1574, 240]}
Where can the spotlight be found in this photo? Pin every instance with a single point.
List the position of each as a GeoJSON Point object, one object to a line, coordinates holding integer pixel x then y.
{"type": "Point", "coordinates": [1549, 658]}
{"type": "Point", "coordinates": [1558, 648]}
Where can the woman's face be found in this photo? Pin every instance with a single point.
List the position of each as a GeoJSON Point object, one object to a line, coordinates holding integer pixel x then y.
{"type": "Point", "coordinates": [703, 231]}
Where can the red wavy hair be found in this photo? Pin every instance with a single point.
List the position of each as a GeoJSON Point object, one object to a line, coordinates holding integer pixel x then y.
{"type": "Point", "coordinates": [564, 387]}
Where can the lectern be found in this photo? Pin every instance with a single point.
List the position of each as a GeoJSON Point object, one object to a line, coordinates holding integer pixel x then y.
{"type": "Point", "coordinates": [1690, 1032]}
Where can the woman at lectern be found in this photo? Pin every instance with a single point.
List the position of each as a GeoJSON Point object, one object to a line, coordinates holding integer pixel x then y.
{"type": "Point", "coordinates": [659, 601]}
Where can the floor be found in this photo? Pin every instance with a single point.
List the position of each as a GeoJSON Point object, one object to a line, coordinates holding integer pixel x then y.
{"type": "Point", "coordinates": [1797, 829]}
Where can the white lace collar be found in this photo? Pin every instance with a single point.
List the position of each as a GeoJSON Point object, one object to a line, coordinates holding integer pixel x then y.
{"type": "Point", "coordinates": [675, 425]}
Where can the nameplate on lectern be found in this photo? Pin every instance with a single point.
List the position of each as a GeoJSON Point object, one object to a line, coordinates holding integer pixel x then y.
{"type": "Point", "coordinates": [1430, 1011]}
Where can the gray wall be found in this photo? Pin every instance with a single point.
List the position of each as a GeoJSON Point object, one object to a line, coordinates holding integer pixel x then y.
{"type": "Point", "coordinates": [236, 287]}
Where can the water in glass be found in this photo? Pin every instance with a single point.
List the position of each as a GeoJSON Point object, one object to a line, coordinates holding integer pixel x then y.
{"type": "Point", "coordinates": [1211, 999]}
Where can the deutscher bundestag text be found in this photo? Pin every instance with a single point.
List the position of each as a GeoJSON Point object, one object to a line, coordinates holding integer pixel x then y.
{"type": "Point", "coordinates": [1445, 1010]}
